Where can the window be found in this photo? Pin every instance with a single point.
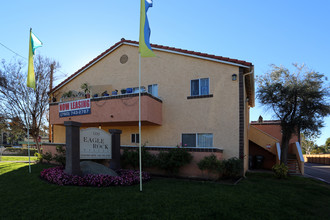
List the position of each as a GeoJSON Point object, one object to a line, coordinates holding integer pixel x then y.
{"type": "Point", "coordinates": [199, 87]}
{"type": "Point", "coordinates": [135, 138]}
{"type": "Point", "coordinates": [136, 89]}
{"type": "Point", "coordinates": [197, 140]}
{"type": "Point", "coordinates": [153, 89]}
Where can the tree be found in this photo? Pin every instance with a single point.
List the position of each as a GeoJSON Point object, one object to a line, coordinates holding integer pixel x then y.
{"type": "Point", "coordinates": [19, 101]}
{"type": "Point", "coordinates": [327, 145]}
{"type": "Point", "coordinates": [17, 130]}
{"type": "Point", "coordinates": [299, 100]}
{"type": "Point", "coordinates": [307, 145]}
{"type": "Point", "coordinates": [3, 128]}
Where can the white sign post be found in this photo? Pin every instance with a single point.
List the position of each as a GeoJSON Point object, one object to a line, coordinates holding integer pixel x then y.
{"type": "Point", "coordinates": [95, 144]}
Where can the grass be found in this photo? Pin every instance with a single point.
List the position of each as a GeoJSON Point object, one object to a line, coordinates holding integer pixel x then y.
{"type": "Point", "coordinates": [17, 158]}
{"type": "Point", "coordinates": [260, 196]}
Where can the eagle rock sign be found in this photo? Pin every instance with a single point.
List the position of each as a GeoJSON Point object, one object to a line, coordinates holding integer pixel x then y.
{"type": "Point", "coordinates": [95, 144]}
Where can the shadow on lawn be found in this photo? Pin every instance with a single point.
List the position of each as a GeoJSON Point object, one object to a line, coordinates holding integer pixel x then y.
{"type": "Point", "coordinates": [19, 170]}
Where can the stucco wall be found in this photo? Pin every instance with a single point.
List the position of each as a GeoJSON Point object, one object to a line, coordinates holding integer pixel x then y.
{"type": "Point", "coordinates": [172, 72]}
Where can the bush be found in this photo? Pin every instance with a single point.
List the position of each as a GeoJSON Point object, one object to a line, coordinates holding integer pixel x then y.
{"type": "Point", "coordinates": [173, 160]}
{"type": "Point", "coordinates": [39, 157]}
{"type": "Point", "coordinates": [131, 158]}
{"type": "Point", "coordinates": [47, 156]}
{"type": "Point", "coordinates": [280, 171]}
{"type": "Point", "coordinates": [60, 156]}
{"type": "Point", "coordinates": [19, 151]}
{"type": "Point", "coordinates": [232, 168]}
{"type": "Point", "coordinates": [210, 163]}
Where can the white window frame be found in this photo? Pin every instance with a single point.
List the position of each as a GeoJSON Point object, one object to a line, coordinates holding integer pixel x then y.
{"type": "Point", "coordinates": [154, 89]}
{"type": "Point", "coordinates": [200, 87]}
{"type": "Point", "coordinates": [135, 135]}
{"type": "Point", "coordinates": [196, 139]}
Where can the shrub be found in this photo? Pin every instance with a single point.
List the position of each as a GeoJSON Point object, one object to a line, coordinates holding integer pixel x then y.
{"type": "Point", "coordinates": [232, 168]}
{"type": "Point", "coordinates": [39, 157]}
{"type": "Point", "coordinates": [172, 160]}
{"type": "Point", "coordinates": [19, 151]}
{"type": "Point", "coordinates": [210, 163]}
{"type": "Point", "coordinates": [280, 171]}
{"type": "Point", "coordinates": [47, 156]}
{"type": "Point", "coordinates": [60, 156]}
{"type": "Point", "coordinates": [131, 158]}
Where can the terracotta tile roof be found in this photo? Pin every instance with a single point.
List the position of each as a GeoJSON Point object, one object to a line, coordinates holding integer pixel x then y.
{"type": "Point", "coordinates": [154, 46]}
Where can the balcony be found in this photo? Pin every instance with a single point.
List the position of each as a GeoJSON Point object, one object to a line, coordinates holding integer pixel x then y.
{"type": "Point", "coordinates": [113, 110]}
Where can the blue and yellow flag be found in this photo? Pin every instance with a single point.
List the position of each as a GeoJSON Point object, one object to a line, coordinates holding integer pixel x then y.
{"type": "Point", "coordinates": [34, 43]}
{"type": "Point", "coordinates": [144, 44]}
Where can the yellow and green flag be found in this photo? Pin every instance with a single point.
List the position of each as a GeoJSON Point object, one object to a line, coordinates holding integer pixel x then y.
{"type": "Point", "coordinates": [144, 44]}
{"type": "Point", "coordinates": [34, 43]}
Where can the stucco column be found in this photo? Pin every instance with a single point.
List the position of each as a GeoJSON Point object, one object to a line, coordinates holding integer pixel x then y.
{"type": "Point", "coordinates": [72, 132]}
{"type": "Point", "coordinates": [115, 139]}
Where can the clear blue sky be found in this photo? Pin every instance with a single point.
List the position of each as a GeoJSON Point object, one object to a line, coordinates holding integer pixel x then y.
{"type": "Point", "coordinates": [276, 32]}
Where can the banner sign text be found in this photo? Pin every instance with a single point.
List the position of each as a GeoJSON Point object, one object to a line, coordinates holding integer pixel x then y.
{"type": "Point", "coordinates": [73, 108]}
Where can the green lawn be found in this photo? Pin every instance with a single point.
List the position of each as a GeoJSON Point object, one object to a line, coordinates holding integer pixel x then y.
{"type": "Point", "coordinates": [260, 196]}
{"type": "Point", "coordinates": [17, 158]}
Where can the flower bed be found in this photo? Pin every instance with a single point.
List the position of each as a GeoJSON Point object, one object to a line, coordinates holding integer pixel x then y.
{"type": "Point", "coordinates": [126, 178]}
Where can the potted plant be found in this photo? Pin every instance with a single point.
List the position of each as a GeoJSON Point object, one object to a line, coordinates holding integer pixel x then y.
{"type": "Point", "coordinates": [86, 89]}
{"type": "Point", "coordinates": [67, 95]}
{"type": "Point", "coordinates": [105, 93]}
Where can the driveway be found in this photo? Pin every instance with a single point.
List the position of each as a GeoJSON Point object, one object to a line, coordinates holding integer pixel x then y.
{"type": "Point", "coordinates": [318, 171]}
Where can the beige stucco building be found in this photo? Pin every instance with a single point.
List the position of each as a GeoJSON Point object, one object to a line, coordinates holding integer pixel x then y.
{"type": "Point", "coordinates": [196, 99]}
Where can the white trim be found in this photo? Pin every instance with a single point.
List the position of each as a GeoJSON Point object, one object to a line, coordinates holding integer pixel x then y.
{"type": "Point", "coordinates": [196, 139]}
{"type": "Point", "coordinates": [278, 147]}
{"type": "Point", "coordinates": [200, 87]}
{"type": "Point", "coordinates": [300, 152]}
{"type": "Point", "coordinates": [193, 55]}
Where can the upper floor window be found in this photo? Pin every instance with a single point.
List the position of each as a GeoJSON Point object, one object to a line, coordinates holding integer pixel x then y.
{"type": "Point", "coordinates": [153, 89]}
{"type": "Point", "coordinates": [199, 87]}
{"type": "Point", "coordinates": [136, 89]}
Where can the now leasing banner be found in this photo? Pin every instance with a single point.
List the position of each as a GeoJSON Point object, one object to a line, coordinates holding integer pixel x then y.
{"type": "Point", "coordinates": [73, 108]}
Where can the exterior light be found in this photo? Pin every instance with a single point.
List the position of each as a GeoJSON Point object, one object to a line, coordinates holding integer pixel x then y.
{"type": "Point", "coordinates": [234, 77]}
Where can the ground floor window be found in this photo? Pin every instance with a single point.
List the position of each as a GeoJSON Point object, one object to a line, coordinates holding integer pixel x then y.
{"type": "Point", "coordinates": [197, 140]}
{"type": "Point", "coordinates": [135, 138]}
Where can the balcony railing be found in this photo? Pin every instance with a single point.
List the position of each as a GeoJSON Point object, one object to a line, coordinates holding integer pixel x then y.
{"type": "Point", "coordinates": [112, 110]}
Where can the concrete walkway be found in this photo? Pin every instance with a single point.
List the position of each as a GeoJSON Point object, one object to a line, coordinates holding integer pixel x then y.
{"type": "Point", "coordinates": [318, 171]}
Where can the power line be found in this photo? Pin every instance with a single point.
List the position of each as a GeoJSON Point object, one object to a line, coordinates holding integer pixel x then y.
{"type": "Point", "coordinates": [12, 51]}
{"type": "Point", "coordinates": [65, 74]}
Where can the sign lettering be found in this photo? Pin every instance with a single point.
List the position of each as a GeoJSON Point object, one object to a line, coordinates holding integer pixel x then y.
{"type": "Point", "coordinates": [73, 108]}
{"type": "Point", "coordinates": [95, 144]}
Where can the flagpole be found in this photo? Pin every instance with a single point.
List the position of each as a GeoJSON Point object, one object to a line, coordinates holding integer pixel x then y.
{"type": "Point", "coordinates": [140, 155]}
{"type": "Point", "coordinates": [28, 128]}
